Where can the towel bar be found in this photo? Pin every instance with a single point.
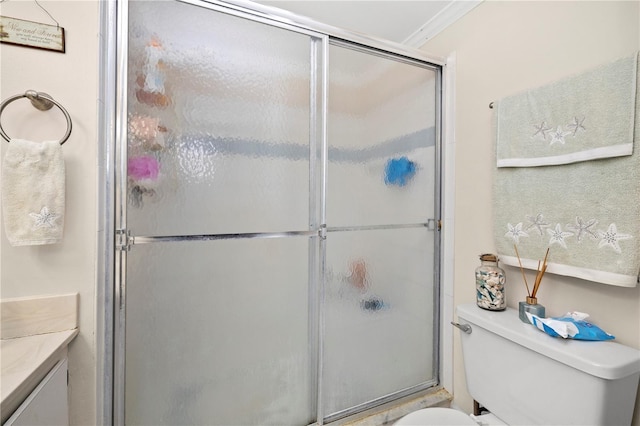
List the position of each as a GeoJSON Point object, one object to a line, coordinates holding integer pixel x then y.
{"type": "Point", "coordinates": [41, 101]}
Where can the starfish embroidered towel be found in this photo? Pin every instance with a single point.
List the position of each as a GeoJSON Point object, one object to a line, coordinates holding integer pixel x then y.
{"type": "Point", "coordinates": [583, 117]}
{"type": "Point", "coordinates": [33, 192]}
{"type": "Point", "coordinates": [587, 213]}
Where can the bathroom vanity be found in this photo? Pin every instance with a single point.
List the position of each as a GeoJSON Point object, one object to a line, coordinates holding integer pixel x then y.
{"type": "Point", "coordinates": [35, 334]}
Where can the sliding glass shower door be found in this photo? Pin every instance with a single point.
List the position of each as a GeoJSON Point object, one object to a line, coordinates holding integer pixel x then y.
{"type": "Point", "coordinates": [277, 209]}
{"type": "Point", "coordinates": [218, 207]}
{"type": "Point", "coordinates": [380, 248]}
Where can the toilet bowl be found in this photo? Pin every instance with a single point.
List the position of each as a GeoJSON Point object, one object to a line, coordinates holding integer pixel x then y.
{"type": "Point", "coordinates": [446, 417]}
{"type": "Point", "coordinates": [436, 416]}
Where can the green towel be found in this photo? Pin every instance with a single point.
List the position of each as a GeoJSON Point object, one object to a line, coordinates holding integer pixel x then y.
{"type": "Point", "coordinates": [579, 118]}
{"type": "Point", "coordinates": [587, 213]}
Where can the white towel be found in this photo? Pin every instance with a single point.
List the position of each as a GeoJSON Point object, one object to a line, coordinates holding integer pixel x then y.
{"type": "Point", "coordinates": [33, 192]}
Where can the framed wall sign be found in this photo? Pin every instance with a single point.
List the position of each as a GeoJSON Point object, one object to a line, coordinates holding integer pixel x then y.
{"type": "Point", "coordinates": [31, 34]}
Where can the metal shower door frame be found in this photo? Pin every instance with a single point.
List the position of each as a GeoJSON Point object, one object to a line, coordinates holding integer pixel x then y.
{"type": "Point", "coordinates": [113, 363]}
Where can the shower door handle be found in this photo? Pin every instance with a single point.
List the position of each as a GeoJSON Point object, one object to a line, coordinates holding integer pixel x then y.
{"type": "Point", "coordinates": [463, 327]}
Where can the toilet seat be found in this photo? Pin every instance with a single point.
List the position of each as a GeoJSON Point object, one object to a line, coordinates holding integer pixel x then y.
{"type": "Point", "coordinates": [436, 416]}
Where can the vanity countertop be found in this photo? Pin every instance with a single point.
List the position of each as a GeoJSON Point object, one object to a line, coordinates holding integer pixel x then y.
{"type": "Point", "coordinates": [34, 335]}
{"type": "Point", "coordinates": [25, 361]}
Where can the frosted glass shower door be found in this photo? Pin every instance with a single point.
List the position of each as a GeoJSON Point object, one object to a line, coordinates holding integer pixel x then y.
{"type": "Point", "coordinates": [218, 209]}
{"type": "Point", "coordinates": [381, 207]}
{"type": "Point", "coordinates": [217, 333]}
{"type": "Point", "coordinates": [276, 216]}
{"type": "Point", "coordinates": [219, 123]}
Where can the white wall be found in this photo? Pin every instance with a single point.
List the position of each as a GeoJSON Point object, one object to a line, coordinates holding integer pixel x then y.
{"type": "Point", "coordinates": [72, 79]}
{"type": "Point", "coordinates": [503, 48]}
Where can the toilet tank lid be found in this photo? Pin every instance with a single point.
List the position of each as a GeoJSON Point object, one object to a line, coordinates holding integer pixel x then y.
{"type": "Point", "coordinates": [607, 359]}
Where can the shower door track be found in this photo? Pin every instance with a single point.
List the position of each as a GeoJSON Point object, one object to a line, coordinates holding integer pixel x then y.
{"type": "Point", "coordinates": [130, 240]}
{"type": "Point", "coordinates": [133, 240]}
{"type": "Point", "coordinates": [276, 17]}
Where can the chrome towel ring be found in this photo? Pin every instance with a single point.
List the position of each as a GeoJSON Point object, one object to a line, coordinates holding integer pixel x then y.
{"type": "Point", "coordinates": [41, 101]}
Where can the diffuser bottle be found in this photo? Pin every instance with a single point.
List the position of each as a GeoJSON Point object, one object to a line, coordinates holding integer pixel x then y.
{"type": "Point", "coordinates": [490, 282]}
{"type": "Point", "coordinates": [532, 306]}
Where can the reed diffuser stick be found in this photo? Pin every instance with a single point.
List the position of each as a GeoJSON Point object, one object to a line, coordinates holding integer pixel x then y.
{"type": "Point", "coordinates": [521, 269]}
{"type": "Point", "coordinates": [540, 273]}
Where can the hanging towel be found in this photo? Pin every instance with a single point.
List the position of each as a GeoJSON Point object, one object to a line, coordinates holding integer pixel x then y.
{"type": "Point", "coordinates": [587, 213]}
{"type": "Point", "coordinates": [33, 192]}
{"type": "Point", "coordinates": [579, 118]}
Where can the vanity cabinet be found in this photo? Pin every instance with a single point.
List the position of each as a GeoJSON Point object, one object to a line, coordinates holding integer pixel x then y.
{"type": "Point", "coordinates": [48, 404]}
{"type": "Point", "coordinates": [35, 334]}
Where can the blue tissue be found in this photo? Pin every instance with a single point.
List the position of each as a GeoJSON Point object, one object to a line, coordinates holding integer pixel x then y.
{"type": "Point", "coordinates": [570, 326]}
{"type": "Point", "coordinates": [587, 330]}
{"type": "Point", "coordinates": [399, 171]}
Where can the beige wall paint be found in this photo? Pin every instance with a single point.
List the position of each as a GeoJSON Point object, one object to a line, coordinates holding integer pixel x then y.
{"type": "Point", "coordinates": [504, 47]}
{"type": "Point", "coordinates": [72, 79]}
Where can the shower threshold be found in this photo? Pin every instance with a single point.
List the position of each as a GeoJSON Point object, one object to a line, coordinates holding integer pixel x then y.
{"type": "Point", "coordinates": [387, 414]}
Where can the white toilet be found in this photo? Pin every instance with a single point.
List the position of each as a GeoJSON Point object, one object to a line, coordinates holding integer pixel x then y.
{"type": "Point", "coordinates": [525, 377]}
{"type": "Point", "coordinates": [437, 416]}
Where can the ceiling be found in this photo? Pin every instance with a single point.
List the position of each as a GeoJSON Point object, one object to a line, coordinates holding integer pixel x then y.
{"type": "Point", "coordinates": [407, 22]}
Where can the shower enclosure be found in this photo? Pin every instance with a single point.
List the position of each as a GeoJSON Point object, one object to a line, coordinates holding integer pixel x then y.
{"type": "Point", "coordinates": [277, 216]}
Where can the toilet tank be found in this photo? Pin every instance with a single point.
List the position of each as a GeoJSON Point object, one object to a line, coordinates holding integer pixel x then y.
{"type": "Point", "coordinates": [527, 377]}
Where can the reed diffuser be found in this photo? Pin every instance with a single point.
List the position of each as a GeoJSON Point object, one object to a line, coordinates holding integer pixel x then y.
{"type": "Point", "coordinates": [531, 304]}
